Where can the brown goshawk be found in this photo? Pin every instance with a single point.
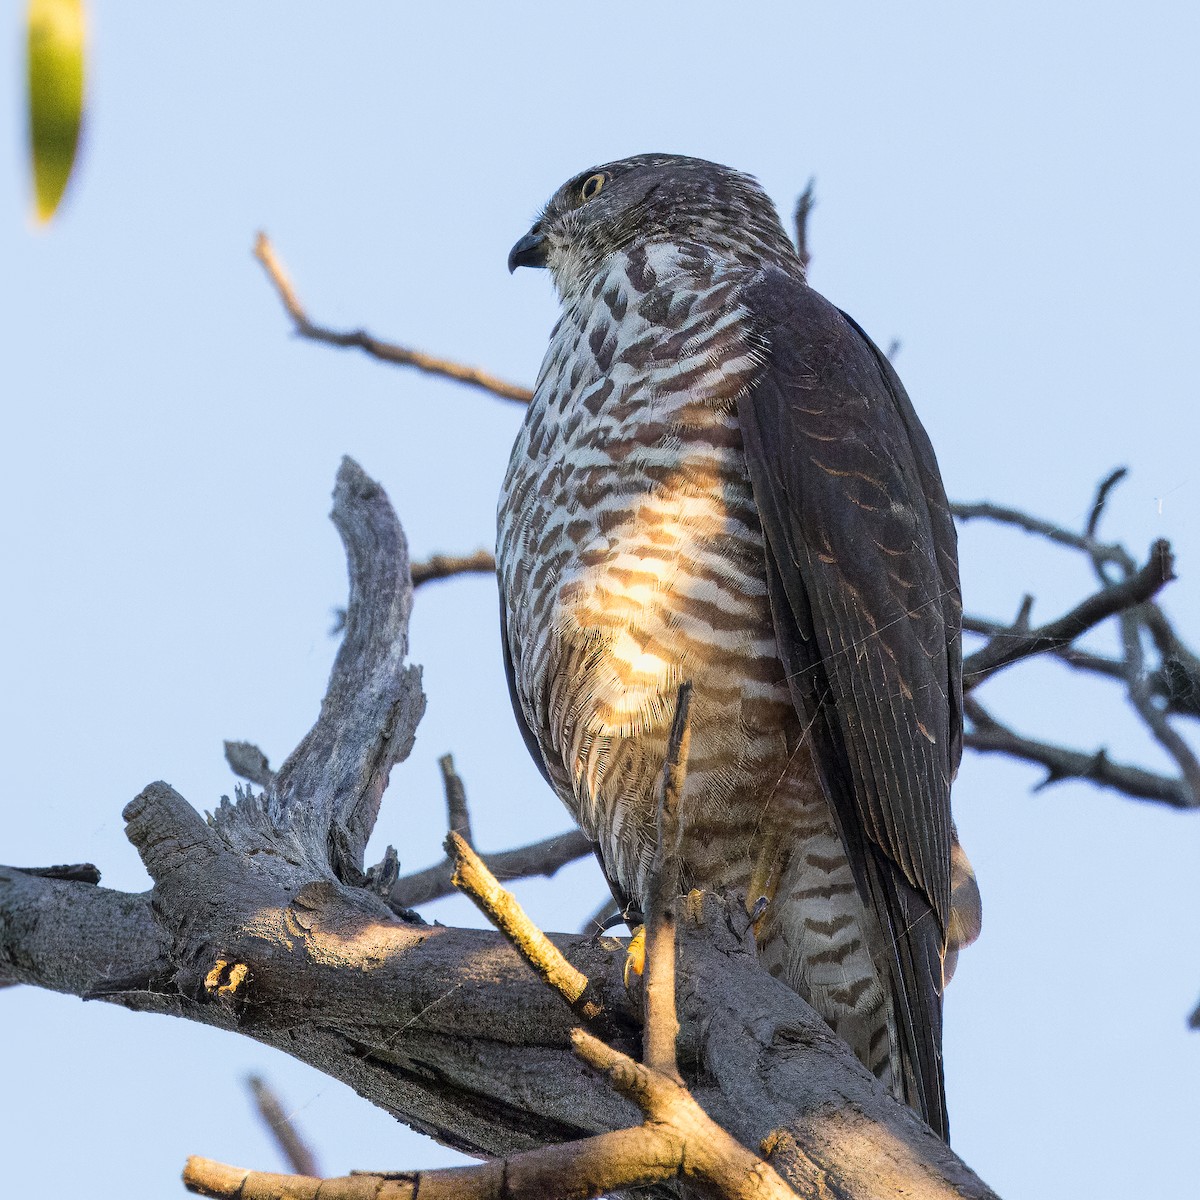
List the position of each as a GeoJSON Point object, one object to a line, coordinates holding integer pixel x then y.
{"type": "Point", "coordinates": [721, 479]}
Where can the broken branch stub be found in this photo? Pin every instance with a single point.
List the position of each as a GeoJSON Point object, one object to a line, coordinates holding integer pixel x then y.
{"type": "Point", "coordinates": [323, 802]}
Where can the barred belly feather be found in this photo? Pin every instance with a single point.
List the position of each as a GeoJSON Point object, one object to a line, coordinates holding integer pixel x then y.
{"type": "Point", "coordinates": [631, 558]}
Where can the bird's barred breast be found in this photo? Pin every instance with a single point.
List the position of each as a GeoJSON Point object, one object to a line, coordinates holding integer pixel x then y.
{"type": "Point", "coordinates": [631, 559]}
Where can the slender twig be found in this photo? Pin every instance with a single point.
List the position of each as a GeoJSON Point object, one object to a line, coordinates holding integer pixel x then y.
{"type": "Point", "coordinates": [1107, 484]}
{"type": "Point", "coordinates": [1098, 664]}
{"type": "Point", "coordinates": [985, 510]}
{"type": "Point", "coordinates": [292, 1146]}
{"type": "Point", "coordinates": [544, 858]}
{"type": "Point", "coordinates": [1015, 644]}
{"type": "Point", "coordinates": [661, 1029]}
{"type": "Point", "coordinates": [1180, 667]}
{"type": "Point", "coordinates": [443, 566]}
{"type": "Point", "coordinates": [806, 202]}
{"type": "Point", "coordinates": [1141, 697]}
{"type": "Point", "coordinates": [500, 907]}
{"type": "Point", "coordinates": [989, 736]}
{"type": "Point", "coordinates": [385, 351]}
{"type": "Point", "coordinates": [1175, 685]}
{"type": "Point", "coordinates": [457, 813]}
{"type": "Point", "coordinates": [1139, 690]}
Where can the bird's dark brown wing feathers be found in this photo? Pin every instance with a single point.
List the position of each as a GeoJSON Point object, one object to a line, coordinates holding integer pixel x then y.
{"type": "Point", "coordinates": [863, 581]}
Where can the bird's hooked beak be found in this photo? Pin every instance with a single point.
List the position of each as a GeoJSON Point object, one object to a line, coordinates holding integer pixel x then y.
{"type": "Point", "coordinates": [530, 251]}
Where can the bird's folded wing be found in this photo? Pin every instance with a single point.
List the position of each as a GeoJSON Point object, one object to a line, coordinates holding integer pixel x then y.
{"type": "Point", "coordinates": [863, 581]}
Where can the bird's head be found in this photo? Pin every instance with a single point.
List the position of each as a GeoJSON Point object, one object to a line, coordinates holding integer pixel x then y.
{"type": "Point", "coordinates": [652, 198]}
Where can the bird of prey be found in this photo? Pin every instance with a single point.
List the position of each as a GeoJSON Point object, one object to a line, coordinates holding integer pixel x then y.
{"type": "Point", "coordinates": [721, 479]}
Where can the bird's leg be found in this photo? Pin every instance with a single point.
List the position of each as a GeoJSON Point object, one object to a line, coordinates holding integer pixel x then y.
{"type": "Point", "coordinates": [764, 882]}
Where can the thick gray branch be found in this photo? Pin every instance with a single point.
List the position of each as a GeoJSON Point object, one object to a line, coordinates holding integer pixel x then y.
{"type": "Point", "coordinates": [322, 803]}
{"type": "Point", "coordinates": [450, 1031]}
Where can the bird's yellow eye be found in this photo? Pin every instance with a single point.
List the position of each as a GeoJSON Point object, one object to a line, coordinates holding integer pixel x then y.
{"type": "Point", "coordinates": [591, 186]}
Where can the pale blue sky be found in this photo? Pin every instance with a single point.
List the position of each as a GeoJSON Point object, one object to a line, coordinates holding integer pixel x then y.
{"type": "Point", "coordinates": [1011, 190]}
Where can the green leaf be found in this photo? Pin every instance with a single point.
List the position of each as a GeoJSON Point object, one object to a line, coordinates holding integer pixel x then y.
{"type": "Point", "coordinates": [56, 57]}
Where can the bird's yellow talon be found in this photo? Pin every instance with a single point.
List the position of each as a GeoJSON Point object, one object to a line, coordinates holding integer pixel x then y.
{"type": "Point", "coordinates": [635, 954]}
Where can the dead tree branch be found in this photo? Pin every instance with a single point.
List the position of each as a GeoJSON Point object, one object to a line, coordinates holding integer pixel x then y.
{"type": "Point", "coordinates": [387, 352]}
{"type": "Point", "coordinates": [1013, 644]}
{"type": "Point", "coordinates": [989, 736]}
{"type": "Point", "coordinates": [292, 1146]}
{"type": "Point", "coordinates": [676, 1140]}
{"type": "Point", "coordinates": [445, 566]}
{"type": "Point", "coordinates": [805, 203]}
{"type": "Point", "coordinates": [544, 858]}
{"type": "Point", "coordinates": [262, 922]}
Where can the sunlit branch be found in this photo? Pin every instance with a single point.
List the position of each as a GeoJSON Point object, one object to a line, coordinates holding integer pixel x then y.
{"type": "Point", "coordinates": [500, 907]}
{"type": "Point", "coordinates": [388, 352]}
{"type": "Point", "coordinates": [662, 1025]}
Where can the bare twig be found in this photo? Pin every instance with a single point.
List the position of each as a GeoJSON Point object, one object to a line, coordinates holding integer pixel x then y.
{"type": "Point", "coordinates": [1180, 667]}
{"type": "Point", "coordinates": [1139, 689]}
{"type": "Point", "coordinates": [1178, 687]}
{"type": "Point", "coordinates": [1014, 643]}
{"type": "Point", "coordinates": [292, 1146]}
{"type": "Point", "coordinates": [502, 910]}
{"type": "Point", "coordinates": [662, 1026]}
{"type": "Point", "coordinates": [989, 736]}
{"type": "Point", "coordinates": [443, 566]}
{"type": "Point", "coordinates": [985, 510]}
{"type": "Point", "coordinates": [544, 858]}
{"type": "Point", "coordinates": [1107, 484]}
{"type": "Point", "coordinates": [385, 351]}
{"type": "Point", "coordinates": [458, 815]}
{"type": "Point", "coordinates": [806, 202]}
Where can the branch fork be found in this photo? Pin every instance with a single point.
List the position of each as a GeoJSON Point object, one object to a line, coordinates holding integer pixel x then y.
{"type": "Point", "coordinates": [677, 1138]}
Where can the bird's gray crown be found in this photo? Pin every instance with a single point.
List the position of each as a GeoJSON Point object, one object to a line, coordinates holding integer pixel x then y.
{"type": "Point", "coordinates": [653, 198]}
